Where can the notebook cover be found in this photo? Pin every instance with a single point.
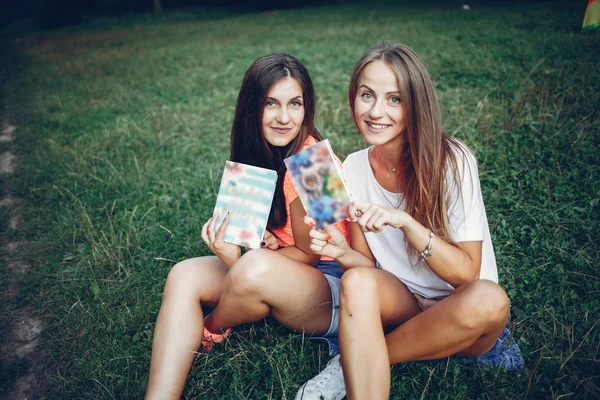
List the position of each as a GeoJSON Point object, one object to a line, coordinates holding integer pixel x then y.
{"type": "Point", "coordinates": [246, 192]}
{"type": "Point", "coordinates": [319, 183]}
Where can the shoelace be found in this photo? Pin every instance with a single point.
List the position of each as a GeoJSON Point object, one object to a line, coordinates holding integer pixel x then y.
{"type": "Point", "coordinates": [324, 379]}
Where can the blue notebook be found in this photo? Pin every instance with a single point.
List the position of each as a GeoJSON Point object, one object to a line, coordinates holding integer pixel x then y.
{"type": "Point", "coordinates": [246, 192]}
{"type": "Point", "coordinates": [319, 183]}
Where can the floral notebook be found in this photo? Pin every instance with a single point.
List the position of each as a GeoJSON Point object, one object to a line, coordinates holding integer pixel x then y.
{"type": "Point", "coordinates": [318, 180]}
{"type": "Point", "coordinates": [246, 192]}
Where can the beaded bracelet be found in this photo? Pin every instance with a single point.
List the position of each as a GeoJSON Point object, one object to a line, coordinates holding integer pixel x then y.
{"type": "Point", "coordinates": [427, 252]}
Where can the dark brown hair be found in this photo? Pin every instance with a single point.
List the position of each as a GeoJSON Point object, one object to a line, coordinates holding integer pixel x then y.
{"type": "Point", "coordinates": [428, 153]}
{"type": "Point", "coordinates": [248, 144]}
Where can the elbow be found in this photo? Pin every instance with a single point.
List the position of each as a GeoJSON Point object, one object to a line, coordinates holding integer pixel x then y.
{"type": "Point", "coordinates": [469, 275]}
{"type": "Point", "coordinates": [475, 272]}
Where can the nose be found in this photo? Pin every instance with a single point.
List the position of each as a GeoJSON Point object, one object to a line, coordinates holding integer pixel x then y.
{"type": "Point", "coordinates": [284, 116]}
{"type": "Point", "coordinates": [377, 110]}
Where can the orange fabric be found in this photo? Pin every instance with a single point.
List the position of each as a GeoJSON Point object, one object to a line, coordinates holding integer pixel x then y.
{"type": "Point", "coordinates": [284, 234]}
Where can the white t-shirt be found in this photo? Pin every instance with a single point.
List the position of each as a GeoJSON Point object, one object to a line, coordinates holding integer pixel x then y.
{"type": "Point", "coordinates": [467, 218]}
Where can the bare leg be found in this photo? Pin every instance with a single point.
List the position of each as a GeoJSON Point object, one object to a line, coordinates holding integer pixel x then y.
{"type": "Point", "coordinates": [180, 323]}
{"type": "Point", "coordinates": [468, 321]}
{"type": "Point", "coordinates": [369, 299]}
{"type": "Point", "coordinates": [265, 282]}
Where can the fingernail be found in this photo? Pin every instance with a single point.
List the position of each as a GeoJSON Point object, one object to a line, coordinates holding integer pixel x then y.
{"type": "Point", "coordinates": [262, 244]}
{"type": "Point", "coordinates": [227, 215]}
{"type": "Point", "coordinates": [312, 223]}
{"type": "Point", "coordinates": [328, 237]}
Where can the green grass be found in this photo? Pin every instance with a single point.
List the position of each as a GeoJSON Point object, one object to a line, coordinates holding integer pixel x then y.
{"type": "Point", "coordinates": [123, 128]}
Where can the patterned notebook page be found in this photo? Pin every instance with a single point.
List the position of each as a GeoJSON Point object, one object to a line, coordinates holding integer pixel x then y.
{"type": "Point", "coordinates": [246, 192]}
{"type": "Point", "coordinates": [319, 183]}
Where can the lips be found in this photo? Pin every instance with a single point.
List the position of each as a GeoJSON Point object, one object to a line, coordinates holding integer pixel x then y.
{"type": "Point", "coordinates": [376, 128]}
{"type": "Point", "coordinates": [281, 130]}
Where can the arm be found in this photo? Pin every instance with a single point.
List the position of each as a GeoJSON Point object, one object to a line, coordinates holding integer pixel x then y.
{"type": "Point", "coordinates": [330, 242]}
{"type": "Point", "coordinates": [456, 265]}
{"type": "Point", "coordinates": [301, 251]}
{"type": "Point", "coordinates": [358, 244]}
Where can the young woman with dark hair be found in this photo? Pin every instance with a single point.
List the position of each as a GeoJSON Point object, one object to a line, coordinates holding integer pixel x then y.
{"type": "Point", "coordinates": [274, 119]}
{"type": "Point", "coordinates": [421, 279]}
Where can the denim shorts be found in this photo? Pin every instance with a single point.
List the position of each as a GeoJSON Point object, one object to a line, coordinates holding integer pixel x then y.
{"type": "Point", "coordinates": [504, 354]}
{"type": "Point", "coordinates": [333, 273]}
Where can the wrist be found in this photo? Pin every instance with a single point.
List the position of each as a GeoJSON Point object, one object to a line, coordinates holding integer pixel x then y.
{"type": "Point", "coordinates": [409, 223]}
{"type": "Point", "coordinates": [229, 259]}
{"type": "Point", "coordinates": [423, 255]}
{"type": "Point", "coordinates": [344, 254]}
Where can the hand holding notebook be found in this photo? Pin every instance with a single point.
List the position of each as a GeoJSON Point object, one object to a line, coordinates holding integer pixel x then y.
{"type": "Point", "coordinates": [246, 192]}
{"type": "Point", "coordinates": [319, 183]}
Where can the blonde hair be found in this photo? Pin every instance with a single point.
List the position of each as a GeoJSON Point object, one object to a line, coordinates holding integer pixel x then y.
{"type": "Point", "coordinates": [428, 151]}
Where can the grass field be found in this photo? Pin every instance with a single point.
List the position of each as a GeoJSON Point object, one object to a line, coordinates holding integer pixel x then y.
{"type": "Point", "coordinates": [123, 128]}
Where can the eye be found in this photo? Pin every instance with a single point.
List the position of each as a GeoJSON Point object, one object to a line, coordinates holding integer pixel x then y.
{"type": "Point", "coordinates": [366, 96]}
{"type": "Point", "coordinates": [395, 100]}
{"type": "Point", "coordinates": [270, 104]}
{"type": "Point", "coordinates": [296, 103]}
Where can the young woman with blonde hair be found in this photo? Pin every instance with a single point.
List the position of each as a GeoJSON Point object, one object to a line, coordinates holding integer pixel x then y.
{"type": "Point", "coordinates": [421, 279]}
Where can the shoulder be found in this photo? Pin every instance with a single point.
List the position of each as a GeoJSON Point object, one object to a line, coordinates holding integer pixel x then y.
{"type": "Point", "coordinates": [462, 165]}
{"type": "Point", "coordinates": [309, 141]}
{"type": "Point", "coordinates": [357, 159]}
{"type": "Point", "coordinates": [462, 153]}
{"type": "Point", "coordinates": [459, 150]}
{"type": "Point", "coordinates": [462, 173]}
{"type": "Point", "coordinates": [356, 171]}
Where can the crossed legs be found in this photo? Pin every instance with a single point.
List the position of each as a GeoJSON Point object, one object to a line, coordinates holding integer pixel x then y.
{"type": "Point", "coordinates": [261, 283]}
{"type": "Point", "coordinates": [468, 322]}
{"type": "Point", "coordinates": [264, 282]}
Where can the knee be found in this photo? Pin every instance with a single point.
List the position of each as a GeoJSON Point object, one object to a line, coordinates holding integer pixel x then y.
{"type": "Point", "coordinates": [195, 279]}
{"type": "Point", "coordinates": [485, 303]}
{"type": "Point", "coordinates": [250, 273]}
{"type": "Point", "coordinates": [179, 277]}
{"type": "Point", "coordinates": [357, 284]}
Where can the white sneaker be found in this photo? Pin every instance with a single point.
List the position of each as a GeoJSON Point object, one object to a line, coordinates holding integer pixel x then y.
{"type": "Point", "coordinates": [328, 385]}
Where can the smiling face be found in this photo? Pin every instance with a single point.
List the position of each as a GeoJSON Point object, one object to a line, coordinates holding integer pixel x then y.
{"type": "Point", "coordinates": [283, 113]}
{"type": "Point", "coordinates": [378, 109]}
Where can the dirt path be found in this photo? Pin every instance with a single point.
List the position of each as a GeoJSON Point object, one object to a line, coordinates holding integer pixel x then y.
{"type": "Point", "coordinates": [20, 359]}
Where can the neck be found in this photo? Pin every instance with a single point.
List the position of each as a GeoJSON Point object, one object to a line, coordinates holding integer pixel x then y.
{"type": "Point", "coordinates": [389, 157]}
